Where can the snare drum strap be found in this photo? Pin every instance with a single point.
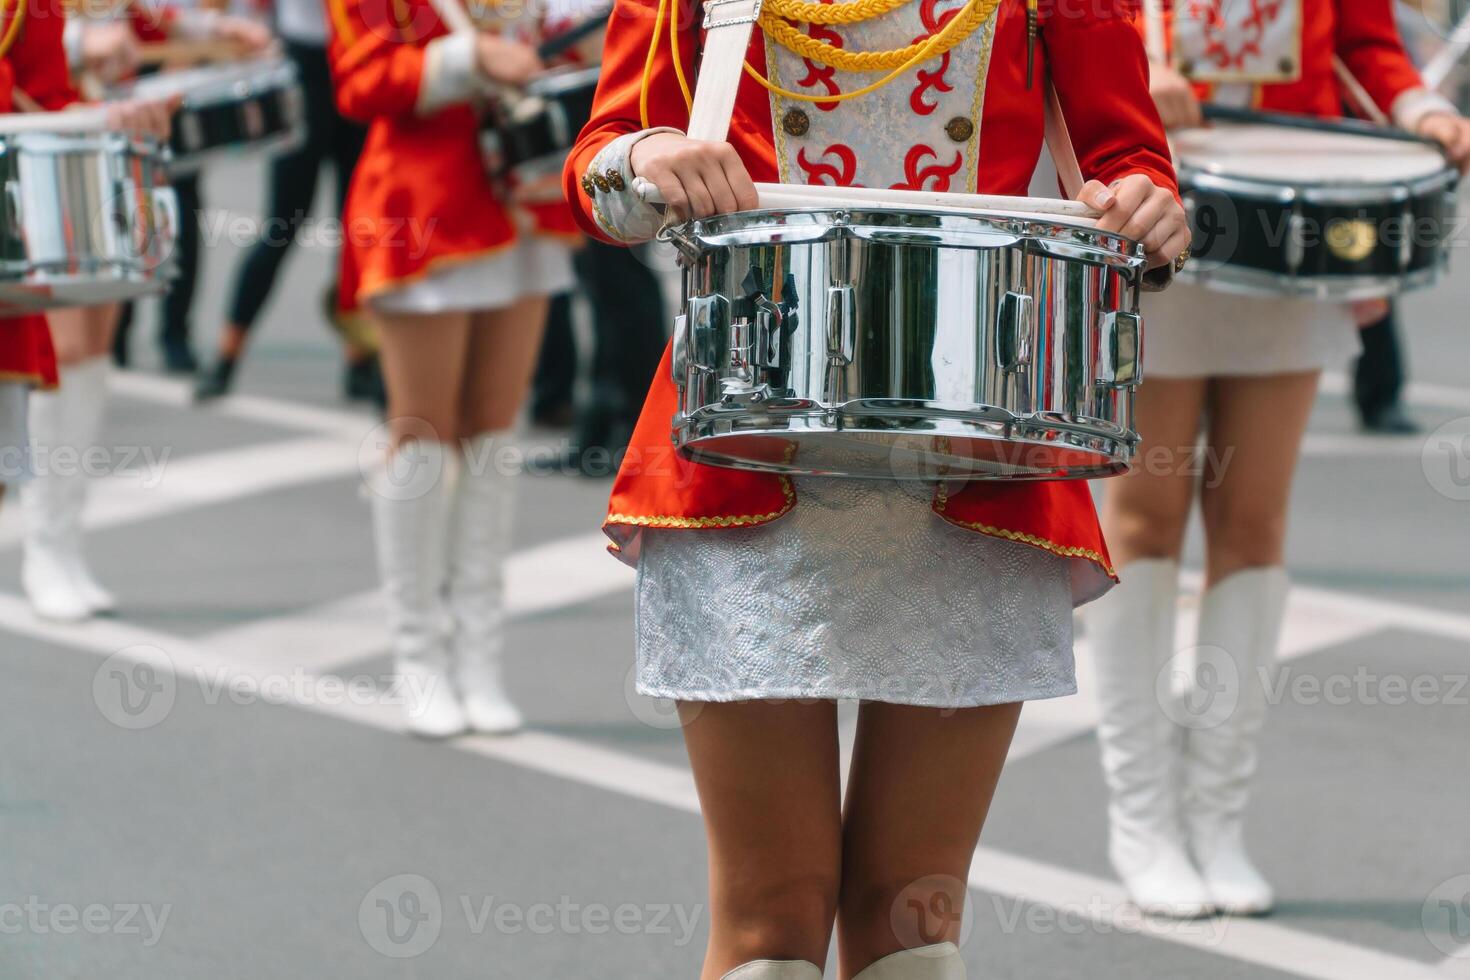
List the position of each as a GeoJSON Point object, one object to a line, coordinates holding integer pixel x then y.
{"type": "Point", "coordinates": [1059, 142]}
{"type": "Point", "coordinates": [728, 25]}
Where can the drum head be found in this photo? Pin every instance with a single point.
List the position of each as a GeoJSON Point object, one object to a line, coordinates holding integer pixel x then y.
{"type": "Point", "coordinates": [1280, 155]}
{"type": "Point", "coordinates": [213, 83]}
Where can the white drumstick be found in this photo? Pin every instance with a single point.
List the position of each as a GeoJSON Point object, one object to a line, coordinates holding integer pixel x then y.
{"type": "Point", "coordinates": [776, 196]}
{"type": "Point", "coordinates": [1445, 60]}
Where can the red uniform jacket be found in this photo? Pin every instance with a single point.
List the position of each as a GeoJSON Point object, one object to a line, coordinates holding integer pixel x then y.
{"type": "Point", "coordinates": [1092, 52]}
{"type": "Point", "coordinates": [32, 60]}
{"type": "Point", "coordinates": [419, 198]}
{"type": "Point", "coordinates": [1297, 56]}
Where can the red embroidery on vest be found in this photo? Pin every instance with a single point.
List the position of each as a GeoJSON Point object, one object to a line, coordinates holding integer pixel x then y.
{"type": "Point", "coordinates": [835, 175]}
{"type": "Point", "coordinates": [823, 75]}
{"type": "Point", "coordinates": [917, 176]}
{"type": "Point", "coordinates": [1211, 15]}
{"type": "Point", "coordinates": [931, 79]}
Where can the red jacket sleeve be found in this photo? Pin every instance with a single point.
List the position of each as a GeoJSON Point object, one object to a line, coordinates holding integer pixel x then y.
{"type": "Point", "coordinates": [1369, 44]}
{"type": "Point", "coordinates": [37, 57]}
{"type": "Point", "coordinates": [1098, 64]}
{"type": "Point", "coordinates": [377, 55]}
{"type": "Point", "coordinates": [151, 22]}
{"type": "Point", "coordinates": [615, 110]}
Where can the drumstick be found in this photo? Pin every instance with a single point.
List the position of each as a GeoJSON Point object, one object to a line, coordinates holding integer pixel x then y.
{"type": "Point", "coordinates": [1356, 93]}
{"type": "Point", "coordinates": [782, 196]}
{"type": "Point", "coordinates": [1348, 127]}
{"type": "Point", "coordinates": [24, 102]}
{"type": "Point", "coordinates": [162, 52]}
{"type": "Point", "coordinates": [1446, 58]}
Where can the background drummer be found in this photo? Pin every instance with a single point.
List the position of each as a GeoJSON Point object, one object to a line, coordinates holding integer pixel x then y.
{"type": "Point", "coordinates": [1245, 369]}
{"type": "Point", "coordinates": [54, 573]}
{"type": "Point", "coordinates": [331, 140]}
{"type": "Point", "coordinates": [161, 37]}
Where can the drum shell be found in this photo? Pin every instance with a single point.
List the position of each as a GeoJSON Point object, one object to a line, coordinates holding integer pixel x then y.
{"type": "Point", "coordinates": [1264, 238]}
{"type": "Point", "coordinates": [532, 145]}
{"type": "Point", "coordinates": [911, 346]}
{"type": "Point", "coordinates": [87, 218]}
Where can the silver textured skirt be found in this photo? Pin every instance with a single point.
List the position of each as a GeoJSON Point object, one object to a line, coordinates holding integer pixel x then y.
{"type": "Point", "coordinates": [861, 592]}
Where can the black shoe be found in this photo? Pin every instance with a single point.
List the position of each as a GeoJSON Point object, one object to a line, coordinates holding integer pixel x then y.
{"type": "Point", "coordinates": [178, 358]}
{"type": "Point", "coordinates": [216, 382]}
{"type": "Point", "coordinates": [362, 381]}
{"type": "Point", "coordinates": [1391, 420]}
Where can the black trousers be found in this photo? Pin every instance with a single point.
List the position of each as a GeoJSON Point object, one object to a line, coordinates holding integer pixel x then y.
{"type": "Point", "coordinates": [1378, 377]}
{"type": "Point", "coordinates": [330, 140]}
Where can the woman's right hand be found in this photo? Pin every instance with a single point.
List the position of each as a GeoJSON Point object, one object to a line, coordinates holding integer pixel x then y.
{"type": "Point", "coordinates": [506, 61]}
{"type": "Point", "coordinates": [697, 178]}
{"type": "Point", "coordinates": [1174, 95]}
{"type": "Point", "coordinates": [143, 117]}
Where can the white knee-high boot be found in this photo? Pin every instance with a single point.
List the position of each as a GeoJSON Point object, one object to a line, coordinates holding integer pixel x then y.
{"type": "Point", "coordinates": [411, 517]}
{"type": "Point", "coordinates": [1240, 622]}
{"type": "Point", "coordinates": [1131, 630]}
{"type": "Point", "coordinates": [484, 506]}
{"type": "Point", "coordinates": [775, 970]}
{"type": "Point", "coordinates": [64, 424]}
{"type": "Point", "coordinates": [938, 962]}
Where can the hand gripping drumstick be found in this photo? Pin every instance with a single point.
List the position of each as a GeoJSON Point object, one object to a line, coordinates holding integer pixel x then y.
{"type": "Point", "coordinates": [783, 196]}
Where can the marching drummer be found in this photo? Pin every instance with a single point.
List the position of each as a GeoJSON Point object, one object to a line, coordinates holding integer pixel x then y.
{"type": "Point", "coordinates": [456, 276]}
{"type": "Point", "coordinates": [1244, 369]}
{"type": "Point", "coordinates": [64, 420]}
{"type": "Point", "coordinates": [761, 600]}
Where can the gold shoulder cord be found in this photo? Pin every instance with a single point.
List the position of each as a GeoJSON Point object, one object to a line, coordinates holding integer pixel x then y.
{"type": "Point", "coordinates": [13, 31]}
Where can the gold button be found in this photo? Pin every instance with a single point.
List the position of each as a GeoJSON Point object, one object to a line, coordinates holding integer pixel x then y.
{"type": "Point", "coordinates": [587, 184]}
{"type": "Point", "coordinates": [795, 122]}
{"type": "Point", "coordinates": [960, 129]}
{"type": "Point", "coordinates": [614, 179]}
{"type": "Point", "coordinates": [601, 183]}
{"type": "Point", "coordinates": [1288, 66]}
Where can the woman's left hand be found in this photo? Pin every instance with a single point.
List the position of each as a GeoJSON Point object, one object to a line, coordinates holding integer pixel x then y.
{"type": "Point", "coordinates": [143, 117]}
{"type": "Point", "coordinates": [1139, 209]}
{"type": "Point", "coordinates": [1451, 131]}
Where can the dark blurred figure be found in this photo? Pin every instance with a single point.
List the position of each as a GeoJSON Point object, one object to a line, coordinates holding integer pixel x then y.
{"type": "Point", "coordinates": [174, 328]}
{"type": "Point", "coordinates": [1378, 379]}
{"type": "Point", "coordinates": [330, 141]}
{"type": "Point", "coordinates": [629, 333]}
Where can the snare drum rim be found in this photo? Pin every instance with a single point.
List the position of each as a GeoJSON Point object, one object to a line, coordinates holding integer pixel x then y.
{"type": "Point", "coordinates": [563, 79]}
{"type": "Point", "coordinates": [1214, 178]}
{"type": "Point", "coordinates": [732, 230]}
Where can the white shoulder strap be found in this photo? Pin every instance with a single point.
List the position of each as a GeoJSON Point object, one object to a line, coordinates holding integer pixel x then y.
{"type": "Point", "coordinates": [729, 24]}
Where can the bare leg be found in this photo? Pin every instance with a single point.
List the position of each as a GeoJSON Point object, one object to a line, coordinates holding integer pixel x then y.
{"type": "Point", "coordinates": [424, 366]}
{"type": "Point", "coordinates": [501, 359]}
{"type": "Point", "coordinates": [921, 785]}
{"type": "Point", "coordinates": [767, 775]}
{"type": "Point", "coordinates": [1145, 513]}
{"type": "Point", "coordinates": [1259, 423]}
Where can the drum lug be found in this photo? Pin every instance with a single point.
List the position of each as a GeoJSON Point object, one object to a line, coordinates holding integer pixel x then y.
{"type": "Point", "coordinates": [1296, 242]}
{"type": "Point", "coordinates": [707, 317]}
{"type": "Point", "coordinates": [1119, 351]}
{"type": "Point", "coordinates": [841, 325]}
{"type": "Point", "coordinates": [14, 210]}
{"type": "Point", "coordinates": [1013, 331]}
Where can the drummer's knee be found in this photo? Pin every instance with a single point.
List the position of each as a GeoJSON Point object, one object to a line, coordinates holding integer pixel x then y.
{"type": "Point", "coordinates": [1243, 532]}
{"type": "Point", "coordinates": [1147, 529]}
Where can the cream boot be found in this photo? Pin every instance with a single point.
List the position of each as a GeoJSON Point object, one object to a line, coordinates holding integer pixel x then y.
{"type": "Point", "coordinates": [1131, 630]}
{"type": "Point", "coordinates": [1240, 622]}
{"type": "Point", "coordinates": [775, 970]}
{"type": "Point", "coordinates": [939, 962]}
{"type": "Point", "coordinates": [411, 525]}
{"type": "Point", "coordinates": [484, 503]}
{"type": "Point", "coordinates": [64, 424]}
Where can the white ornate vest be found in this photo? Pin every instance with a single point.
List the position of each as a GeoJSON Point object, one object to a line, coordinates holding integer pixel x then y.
{"type": "Point", "coordinates": [919, 132]}
{"type": "Point", "coordinates": [1254, 41]}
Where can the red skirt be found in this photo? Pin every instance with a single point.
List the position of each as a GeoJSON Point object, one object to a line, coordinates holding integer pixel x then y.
{"type": "Point", "coordinates": [26, 354]}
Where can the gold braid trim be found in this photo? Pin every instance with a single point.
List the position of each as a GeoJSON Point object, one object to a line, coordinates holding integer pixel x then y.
{"type": "Point", "coordinates": [775, 21]}
{"type": "Point", "coordinates": [941, 501]}
{"type": "Point", "coordinates": [835, 13]}
{"type": "Point", "coordinates": [13, 31]}
{"type": "Point", "coordinates": [695, 523]}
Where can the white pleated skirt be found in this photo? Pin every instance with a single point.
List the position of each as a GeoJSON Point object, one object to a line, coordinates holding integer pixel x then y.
{"type": "Point", "coordinates": [534, 266]}
{"type": "Point", "coordinates": [1193, 332]}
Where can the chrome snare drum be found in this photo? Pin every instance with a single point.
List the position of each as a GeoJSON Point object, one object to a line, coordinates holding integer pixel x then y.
{"type": "Point", "coordinates": [893, 343]}
{"type": "Point", "coordinates": [87, 214]}
{"type": "Point", "coordinates": [1333, 216]}
{"type": "Point", "coordinates": [252, 106]}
